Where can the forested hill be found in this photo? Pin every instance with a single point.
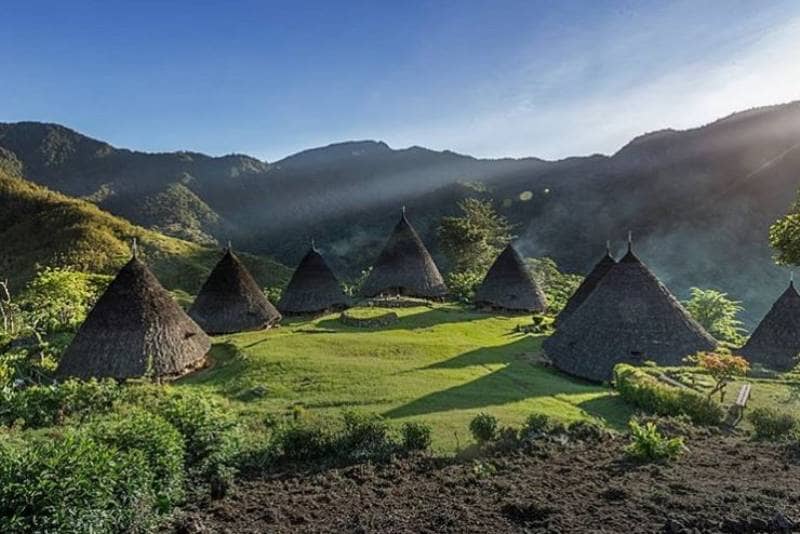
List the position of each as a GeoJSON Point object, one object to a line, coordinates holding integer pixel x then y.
{"type": "Point", "coordinates": [699, 202]}
{"type": "Point", "coordinates": [39, 227]}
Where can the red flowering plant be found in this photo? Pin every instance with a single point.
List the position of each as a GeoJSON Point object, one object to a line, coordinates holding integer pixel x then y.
{"type": "Point", "coordinates": [722, 367]}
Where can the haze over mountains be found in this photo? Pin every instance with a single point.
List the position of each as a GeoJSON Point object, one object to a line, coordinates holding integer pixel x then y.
{"type": "Point", "coordinates": [699, 202]}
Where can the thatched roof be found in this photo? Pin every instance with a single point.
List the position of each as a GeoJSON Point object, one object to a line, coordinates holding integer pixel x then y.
{"type": "Point", "coordinates": [629, 317]}
{"type": "Point", "coordinates": [135, 329]}
{"type": "Point", "coordinates": [313, 288]}
{"type": "Point", "coordinates": [231, 300]}
{"type": "Point", "coordinates": [405, 267]}
{"type": "Point", "coordinates": [509, 285]}
{"type": "Point", "coordinates": [586, 287]}
{"type": "Point", "coordinates": [775, 343]}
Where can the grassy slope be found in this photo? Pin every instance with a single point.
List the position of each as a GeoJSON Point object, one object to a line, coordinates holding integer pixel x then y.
{"type": "Point", "coordinates": [442, 365]}
{"type": "Point", "coordinates": [40, 227]}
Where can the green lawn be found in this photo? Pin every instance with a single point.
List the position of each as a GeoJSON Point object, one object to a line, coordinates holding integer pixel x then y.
{"type": "Point", "coordinates": [442, 365]}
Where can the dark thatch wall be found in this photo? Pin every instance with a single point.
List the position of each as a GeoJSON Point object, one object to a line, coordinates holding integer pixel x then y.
{"type": "Point", "coordinates": [630, 317]}
{"type": "Point", "coordinates": [775, 343]}
{"type": "Point", "coordinates": [135, 329]}
{"type": "Point", "coordinates": [313, 288]}
{"type": "Point", "coordinates": [586, 288]}
{"type": "Point", "coordinates": [509, 285]}
{"type": "Point", "coordinates": [231, 301]}
{"type": "Point", "coordinates": [405, 267]}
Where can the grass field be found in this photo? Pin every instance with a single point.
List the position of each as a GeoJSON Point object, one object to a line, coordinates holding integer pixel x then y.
{"type": "Point", "coordinates": [442, 365]}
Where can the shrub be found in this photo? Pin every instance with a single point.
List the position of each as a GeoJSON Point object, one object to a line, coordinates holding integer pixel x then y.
{"type": "Point", "coordinates": [416, 436]}
{"type": "Point", "coordinates": [72, 483]}
{"type": "Point", "coordinates": [649, 445]}
{"type": "Point", "coordinates": [210, 438]}
{"type": "Point", "coordinates": [39, 406]}
{"type": "Point", "coordinates": [365, 436]}
{"type": "Point", "coordinates": [557, 286]}
{"type": "Point", "coordinates": [770, 424]}
{"type": "Point", "coordinates": [355, 437]}
{"type": "Point", "coordinates": [161, 445]}
{"type": "Point", "coordinates": [538, 423]}
{"type": "Point", "coordinates": [302, 441]}
{"type": "Point", "coordinates": [483, 427]}
{"type": "Point", "coordinates": [273, 293]}
{"type": "Point", "coordinates": [644, 391]}
{"type": "Point", "coordinates": [587, 431]}
{"type": "Point", "coordinates": [462, 285]}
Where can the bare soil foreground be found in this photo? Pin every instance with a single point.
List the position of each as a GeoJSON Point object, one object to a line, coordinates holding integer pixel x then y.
{"type": "Point", "coordinates": [723, 484]}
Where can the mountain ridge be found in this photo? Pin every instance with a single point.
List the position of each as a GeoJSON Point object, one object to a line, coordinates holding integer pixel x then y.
{"type": "Point", "coordinates": [716, 187]}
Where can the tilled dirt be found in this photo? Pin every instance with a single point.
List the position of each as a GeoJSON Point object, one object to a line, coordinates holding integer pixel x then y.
{"type": "Point", "coordinates": [722, 484]}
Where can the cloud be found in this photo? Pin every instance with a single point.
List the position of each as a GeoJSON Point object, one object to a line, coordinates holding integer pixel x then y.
{"type": "Point", "coordinates": [601, 119]}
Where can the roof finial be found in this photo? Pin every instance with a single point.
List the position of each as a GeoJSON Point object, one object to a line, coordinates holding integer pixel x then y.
{"type": "Point", "coordinates": [230, 246]}
{"type": "Point", "coordinates": [403, 209]}
{"type": "Point", "coordinates": [135, 249]}
{"type": "Point", "coordinates": [608, 247]}
{"type": "Point", "coordinates": [791, 278]}
{"type": "Point", "coordinates": [630, 241]}
{"type": "Point", "coordinates": [313, 244]}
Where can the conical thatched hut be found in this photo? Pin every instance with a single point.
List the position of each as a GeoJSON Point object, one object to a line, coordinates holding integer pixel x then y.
{"type": "Point", "coordinates": [508, 285]}
{"type": "Point", "coordinates": [775, 343]}
{"type": "Point", "coordinates": [231, 301]}
{"type": "Point", "coordinates": [313, 288]}
{"type": "Point", "coordinates": [629, 317]}
{"type": "Point", "coordinates": [586, 287]}
{"type": "Point", "coordinates": [135, 329]}
{"type": "Point", "coordinates": [405, 267]}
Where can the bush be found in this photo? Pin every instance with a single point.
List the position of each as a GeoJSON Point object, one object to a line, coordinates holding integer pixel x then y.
{"type": "Point", "coordinates": [210, 438]}
{"type": "Point", "coordinates": [273, 293]}
{"type": "Point", "coordinates": [772, 425]}
{"type": "Point", "coordinates": [161, 445]}
{"type": "Point", "coordinates": [72, 483]}
{"type": "Point", "coordinates": [365, 436]}
{"type": "Point", "coordinates": [483, 427]}
{"type": "Point", "coordinates": [538, 423]}
{"type": "Point", "coordinates": [588, 431]}
{"type": "Point", "coordinates": [356, 437]}
{"type": "Point", "coordinates": [462, 285]}
{"type": "Point", "coordinates": [644, 391]}
{"type": "Point", "coordinates": [303, 441]}
{"type": "Point", "coordinates": [39, 406]}
{"type": "Point", "coordinates": [416, 436]}
{"type": "Point", "coordinates": [557, 286]}
{"type": "Point", "coordinates": [649, 445]}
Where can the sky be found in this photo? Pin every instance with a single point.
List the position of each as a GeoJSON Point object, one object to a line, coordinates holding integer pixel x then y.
{"type": "Point", "coordinates": [495, 78]}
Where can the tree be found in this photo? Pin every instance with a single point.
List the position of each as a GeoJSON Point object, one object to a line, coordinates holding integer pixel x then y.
{"type": "Point", "coordinates": [8, 310]}
{"type": "Point", "coordinates": [557, 286]}
{"type": "Point", "coordinates": [784, 236]}
{"type": "Point", "coordinates": [472, 241]}
{"type": "Point", "coordinates": [722, 368]}
{"type": "Point", "coordinates": [59, 299]}
{"type": "Point", "coordinates": [717, 313]}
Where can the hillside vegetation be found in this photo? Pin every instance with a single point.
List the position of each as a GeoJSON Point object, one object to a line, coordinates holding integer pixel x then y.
{"type": "Point", "coordinates": [710, 192]}
{"type": "Point", "coordinates": [39, 227]}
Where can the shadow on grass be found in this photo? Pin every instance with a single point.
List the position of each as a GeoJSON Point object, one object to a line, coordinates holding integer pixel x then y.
{"type": "Point", "coordinates": [611, 408]}
{"type": "Point", "coordinates": [416, 321]}
{"type": "Point", "coordinates": [518, 380]}
{"type": "Point", "coordinates": [225, 361]}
